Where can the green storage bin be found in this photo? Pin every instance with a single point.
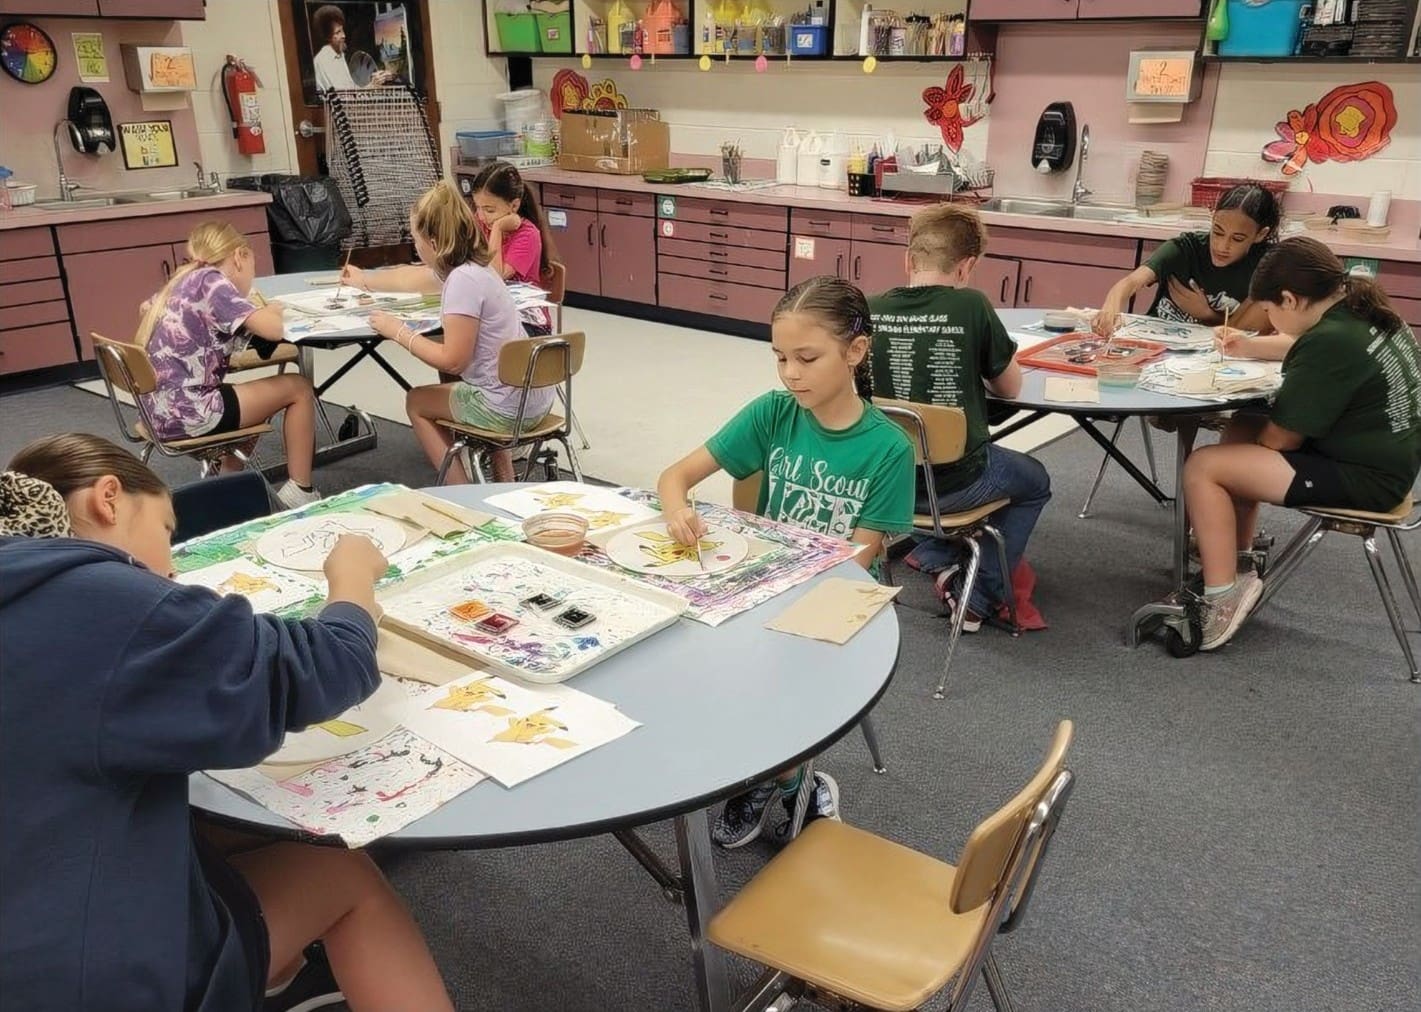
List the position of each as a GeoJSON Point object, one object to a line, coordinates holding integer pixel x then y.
{"type": "Point", "coordinates": [555, 32]}
{"type": "Point", "coordinates": [518, 33]}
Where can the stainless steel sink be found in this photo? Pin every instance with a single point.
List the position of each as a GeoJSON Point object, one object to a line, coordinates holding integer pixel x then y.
{"type": "Point", "coordinates": [1056, 208]}
{"type": "Point", "coordinates": [184, 194]}
{"type": "Point", "coordinates": [81, 203]}
{"type": "Point", "coordinates": [1099, 212]}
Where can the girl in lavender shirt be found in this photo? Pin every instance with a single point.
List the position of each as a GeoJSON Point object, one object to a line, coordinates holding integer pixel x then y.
{"type": "Point", "coordinates": [479, 318]}
{"type": "Point", "coordinates": [192, 326]}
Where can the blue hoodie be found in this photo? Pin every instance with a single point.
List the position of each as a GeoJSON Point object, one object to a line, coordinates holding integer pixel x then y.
{"type": "Point", "coordinates": [115, 684]}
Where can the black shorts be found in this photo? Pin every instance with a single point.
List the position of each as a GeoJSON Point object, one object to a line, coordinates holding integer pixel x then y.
{"type": "Point", "coordinates": [233, 892]}
{"type": "Point", "coordinates": [1317, 481]}
{"type": "Point", "coordinates": [536, 329]}
{"type": "Point", "coordinates": [231, 419]}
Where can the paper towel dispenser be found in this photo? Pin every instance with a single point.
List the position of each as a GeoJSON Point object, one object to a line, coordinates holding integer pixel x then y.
{"type": "Point", "coordinates": [93, 126]}
{"type": "Point", "coordinates": [1055, 143]}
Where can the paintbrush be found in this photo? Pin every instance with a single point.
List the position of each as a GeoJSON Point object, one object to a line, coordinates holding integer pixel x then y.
{"type": "Point", "coordinates": [345, 267]}
{"type": "Point", "coordinates": [691, 495]}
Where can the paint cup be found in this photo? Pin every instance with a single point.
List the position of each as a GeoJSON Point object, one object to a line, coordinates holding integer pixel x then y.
{"type": "Point", "coordinates": [1120, 375]}
{"type": "Point", "coordinates": [560, 533]}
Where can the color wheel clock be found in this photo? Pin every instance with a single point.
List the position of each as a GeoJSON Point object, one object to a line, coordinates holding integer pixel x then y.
{"type": "Point", "coordinates": [27, 53]}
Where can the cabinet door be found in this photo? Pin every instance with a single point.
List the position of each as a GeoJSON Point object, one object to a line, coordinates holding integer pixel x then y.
{"type": "Point", "coordinates": [812, 256]}
{"type": "Point", "coordinates": [627, 245]}
{"type": "Point", "coordinates": [1139, 8]}
{"type": "Point", "coordinates": [575, 235]}
{"type": "Point", "coordinates": [193, 10]}
{"type": "Point", "coordinates": [1023, 10]}
{"type": "Point", "coordinates": [261, 248]}
{"type": "Point", "coordinates": [1057, 286]}
{"type": "Point", "coordinates": [996, 277]}
{"type": "Point", "coordinates": [877, 266]}
{"type": "Point", "coordinates": [106, 288]}
{"type": "Point", "coordinates": [52, 8]}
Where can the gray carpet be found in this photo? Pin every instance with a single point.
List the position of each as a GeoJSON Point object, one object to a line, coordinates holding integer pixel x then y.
{"type": "Point", "coordinates": [1243, 835]}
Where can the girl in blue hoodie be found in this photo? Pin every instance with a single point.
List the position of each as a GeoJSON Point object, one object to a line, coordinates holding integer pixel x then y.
{"type": "Point", "coordinates": [118, 683]}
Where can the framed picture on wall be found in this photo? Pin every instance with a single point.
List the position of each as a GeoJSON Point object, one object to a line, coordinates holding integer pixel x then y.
{"type": "Point", "coordinates": [357, 44]}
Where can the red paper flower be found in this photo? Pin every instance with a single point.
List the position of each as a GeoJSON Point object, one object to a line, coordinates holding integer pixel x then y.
{"type": "Point", "coordinates": [1347, 124]}
{"type": "Point", "coordinates": [1299, 142]}
{"type": "Point", "coordinates": [945, 108]}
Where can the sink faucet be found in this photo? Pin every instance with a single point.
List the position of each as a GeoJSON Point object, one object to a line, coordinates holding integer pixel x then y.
{"type": "Point", "coordinates": [66, 188]}
{"type": "Point", "coordinates": [1079, 191]}
{"type": "Point", "coordinates": [201, 176]}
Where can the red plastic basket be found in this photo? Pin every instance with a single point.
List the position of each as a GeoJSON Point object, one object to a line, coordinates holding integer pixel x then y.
{"type": "Point", "coordinates": [1206, 190]}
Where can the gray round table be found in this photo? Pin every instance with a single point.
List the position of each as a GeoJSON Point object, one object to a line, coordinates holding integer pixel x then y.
{"type": "Point", "coordinates": [721, 708]}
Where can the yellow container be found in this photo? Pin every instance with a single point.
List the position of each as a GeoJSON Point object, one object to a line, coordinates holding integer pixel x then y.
{"type": "Point", "coordinates": [618, 14]}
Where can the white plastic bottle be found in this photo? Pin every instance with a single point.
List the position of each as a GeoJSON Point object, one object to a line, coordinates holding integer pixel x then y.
{"type": "Point", "coordinates": [811, 149]}
{"type": "Point", "coordinates": [787, 160]}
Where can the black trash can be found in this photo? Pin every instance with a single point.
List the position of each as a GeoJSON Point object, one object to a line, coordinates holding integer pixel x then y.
{"type": "Point", "coordinates": [306, 219]}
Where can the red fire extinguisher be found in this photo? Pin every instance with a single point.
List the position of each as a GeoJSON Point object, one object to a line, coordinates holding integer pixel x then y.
{"type": "Point", "coordinates": [239, 89]}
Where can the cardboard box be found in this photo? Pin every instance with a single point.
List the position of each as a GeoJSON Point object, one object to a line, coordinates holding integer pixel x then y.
{"type": "Point", "coordinates": [621, 141]}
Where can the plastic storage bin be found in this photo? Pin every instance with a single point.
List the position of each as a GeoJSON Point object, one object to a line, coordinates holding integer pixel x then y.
{"type": "Point", "coordinates": [487, 143]}
{"type": "Point", "coordinates": [555, 32]}
{"type": "Point", "coordinates": [518, 33]}
{"type": "Point", "coordinates": [1262, 28]}
{"type": "Point", "coordinates": [1205, 191]}
{"type": "Point", "coordinates": [808, 40]}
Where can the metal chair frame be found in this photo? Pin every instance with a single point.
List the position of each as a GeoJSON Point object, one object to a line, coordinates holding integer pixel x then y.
{"type": "Point", "coordinates": [556, 283]}
{"type": "Point", "coordinates": [463, 442]}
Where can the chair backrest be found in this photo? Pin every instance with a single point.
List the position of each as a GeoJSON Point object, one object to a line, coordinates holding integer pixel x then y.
{"type": "Point", "coordinates": [126, 366]}
{"type": "Point", "coordinates": [938, 434]}
{"type": "Point", "coordinates": [555, 281]}
{"type": "Point", "coordinates": [222, 501]}
{"type": "Point", "coordinates": [745, 493]}
{"type": "Point", "coordinates": [535, 362]}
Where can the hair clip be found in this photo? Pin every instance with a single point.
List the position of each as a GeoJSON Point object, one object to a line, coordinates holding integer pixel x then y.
{"type": "Point", "coordinates": [854, 326]}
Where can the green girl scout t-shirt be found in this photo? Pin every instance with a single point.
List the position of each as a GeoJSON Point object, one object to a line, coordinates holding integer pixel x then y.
{"type": "Point", "coordinates": [823, 480]}
{"type": "Point", "coordinates": [1186, 257]}
{"type": "Point", "coordinates": [1355, 394]}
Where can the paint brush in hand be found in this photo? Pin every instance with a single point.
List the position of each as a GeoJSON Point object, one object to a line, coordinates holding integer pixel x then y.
{"type": "Point", "coordinates": [691, 495]}
{"type": "Point", "coordinates": [341, 284]}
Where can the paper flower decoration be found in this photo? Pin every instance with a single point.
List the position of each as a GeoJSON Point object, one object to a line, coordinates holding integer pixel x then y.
{"type": "Point", "coordinates": [945, 108]}
{"type": "Point", "coordinates": [1347, 124]}
{"type": "Point", "coordinates": [569, 91]}
{"type": "Point", "coordinates": [604, 95]}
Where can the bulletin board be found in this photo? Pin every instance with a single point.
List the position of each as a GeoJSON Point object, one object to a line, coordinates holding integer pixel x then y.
{"type": "Point", "coordinates": [148, 145]}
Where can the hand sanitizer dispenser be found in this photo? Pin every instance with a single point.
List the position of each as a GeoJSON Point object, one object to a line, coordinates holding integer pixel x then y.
{"type": "Point", "coordinates": [1055, 143]}
{"type": "Point", "coordinates": [90, 115]}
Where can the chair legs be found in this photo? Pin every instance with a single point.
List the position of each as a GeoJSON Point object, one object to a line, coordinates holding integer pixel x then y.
{"type": "Point", "coordinates": [572, 462]}
{"type": "Point", "coordinates": [870, 738]}
{"type": "Point", "coordinates": [1393, 614]}
{"type": "Point", "coordinates": [996, 987]}
{"type": "Point", "coordinates": [1007, 591]}
{"type": "Point", "coordinates": [1084, 514]}
{"type": "Point", "coordinates": [1286, 562]}
{"type": "Point", "coordinates": [959, 615]}
{"type": "Point", "coordinates": [1149, 447]}
{"type": "Point", "coordinates": [455, 448]}
{"type": "Point", "coordinates": [1408, 577]}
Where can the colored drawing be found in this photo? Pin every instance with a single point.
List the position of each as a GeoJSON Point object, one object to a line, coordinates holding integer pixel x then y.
{"type": "Point", "coordinates": [1348, 124]}
{"type": "Point", "coordinates": [603, 508]}
{"type": "Point", "coordinates": [1079, 353]}
{"type": "Point", "coordinates": [528, 730]}
{"type": "Point", "coordinates": [361, 725]}
{"type": "Point", "coordinates": [1173, 333]}
{"type": "Point", "coordinates": [536, 647]}
{"type": "Point", "coordinates": [365, 795]}
{"type": "Point", "coordinates": [944, 108]}
{"type": "Point", "coordinates": [304, 543]}
{"type": "Point", "coordinates": [267, 588]}
{"type": "Point", "coordinates": [650, 549]}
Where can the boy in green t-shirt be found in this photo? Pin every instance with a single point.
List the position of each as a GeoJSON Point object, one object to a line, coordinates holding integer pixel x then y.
{"type": "Point", "coordinates": [832, 463]}
{"type": "Point", "coordinates": [939, 342]}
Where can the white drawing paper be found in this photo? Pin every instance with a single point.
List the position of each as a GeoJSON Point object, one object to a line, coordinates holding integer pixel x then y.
{"type": "Point", "coordinates": [603, 508]}
{"type": "Point", "coordinates": [304, 543]}
{"type": "Point", "coordinates": [267, 587]}
{"type": "Point", "coordinates": [363, 724]}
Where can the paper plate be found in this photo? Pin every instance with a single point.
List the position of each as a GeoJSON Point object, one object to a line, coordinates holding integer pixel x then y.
{"type": "Point", "coordinates": [361, 725]}
{"type": "Point", "coordinates": [1234, 372]}
{"type": "Point", "coordinates": [647, 548]}
{"type": "Point", "coordinates": [304, 544]}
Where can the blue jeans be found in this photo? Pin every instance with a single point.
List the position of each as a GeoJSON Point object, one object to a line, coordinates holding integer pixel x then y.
{"type": "Point", "coordinates": [1008, 475]}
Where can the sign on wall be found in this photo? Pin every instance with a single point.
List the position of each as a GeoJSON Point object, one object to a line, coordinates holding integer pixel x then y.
{"type": "Point", "coordinates": [148, 145]}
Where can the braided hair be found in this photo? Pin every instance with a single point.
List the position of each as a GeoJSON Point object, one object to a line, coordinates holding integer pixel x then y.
{"type": "Point", "coordinates": [842, 310]}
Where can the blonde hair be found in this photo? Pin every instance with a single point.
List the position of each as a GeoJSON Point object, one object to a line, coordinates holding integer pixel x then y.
{"type": "Point", "coordinates": [444, 218]}
{"type": "Point", "coordinates": [207, 246]}
{"type": "Point", "coordinates": [939, 238]}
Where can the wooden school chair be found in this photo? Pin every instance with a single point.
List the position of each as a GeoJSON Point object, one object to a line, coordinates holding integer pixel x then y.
{"type": "Point", "coordinates": [939, 436]}
{"type": "Point", "coordinates": [126, 368]}
{"type": "Point", "coordinates": [853, 921]}
{"type": "Point", "coordinates": [745, 497]}
{"type": "Point", "coordinates": [1364, 525]}
{"type": "Point", "coordinates": [532, 363]}
{"type": "Point", "coordinates": [555, 281]}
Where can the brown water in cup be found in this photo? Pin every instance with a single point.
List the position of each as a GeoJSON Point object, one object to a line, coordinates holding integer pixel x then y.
{"type": "Point", "coordinates": [561, 533]}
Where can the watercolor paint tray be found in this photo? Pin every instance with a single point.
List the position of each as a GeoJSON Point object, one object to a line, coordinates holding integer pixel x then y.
{"type": "Point", "coordinates": [1078, 353]}
{"type": "Point", "coordinates": [447, 604]}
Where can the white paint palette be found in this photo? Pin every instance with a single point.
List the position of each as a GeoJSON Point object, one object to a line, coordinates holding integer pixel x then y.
{"type": "Point", "coordinates": [649, 548]}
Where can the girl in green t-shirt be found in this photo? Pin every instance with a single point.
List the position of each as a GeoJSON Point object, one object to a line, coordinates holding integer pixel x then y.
{"type": "Point", "coordinates": [831, 462]}
{"type": "Point", "coordinates": [1345, 429]}
{"type": "Point", "coordinates": [1201, 274]}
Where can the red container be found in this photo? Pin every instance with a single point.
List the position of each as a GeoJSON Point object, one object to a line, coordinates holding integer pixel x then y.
{"type": "Point", "coordinates": [1206, 190]}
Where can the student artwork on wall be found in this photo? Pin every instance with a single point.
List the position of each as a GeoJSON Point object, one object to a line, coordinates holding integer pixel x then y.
{"type": "Point", "coordinates": [571, 90]}
{"type": "Point", "coordinates": [345, 44]}
{"type": "Point", "coordinates": [945, 108]}
{"type": "Point", "coordinates": [1348, 124]}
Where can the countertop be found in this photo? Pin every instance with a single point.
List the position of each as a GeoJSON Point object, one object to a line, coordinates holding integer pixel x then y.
{"type": "Point", "coordinates": [811, 197]}
{"type": "Point", "coordinates": [33, 215]}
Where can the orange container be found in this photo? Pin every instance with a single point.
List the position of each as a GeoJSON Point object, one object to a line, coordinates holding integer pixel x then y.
{"type": "Point", "coordinates": [659, 22]}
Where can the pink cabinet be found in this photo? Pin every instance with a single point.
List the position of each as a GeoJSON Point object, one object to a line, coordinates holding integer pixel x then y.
{"type": "Point", "coordinates": [1070, 10]}
{"type": "Point", "coordinates": [192, 10]}
{"type": "Point", "coordinates": [52, 8]}
{"type": "Point", "coordinates": [876, 267]}
{"type": "Point", "coordinates": [575, 235]}
{"type": "Point", "coordinates": [996, 278]}
{"type": "Point", "coordinates": [1023, 10]}
{"type": "Point", "coordinates": [1056, 286]}
{"type": "Point", "coordinates": [1139, 8]}
{"type": "Point", "coordinates": [627, 250]}
{"type": "Point", "coordinates": [812, 256]}
{"type": "Point", "coordinates": [105, 289]}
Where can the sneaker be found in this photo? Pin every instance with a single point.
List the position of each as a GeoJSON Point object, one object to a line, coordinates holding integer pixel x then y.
{"type": "Point", "coordinates": [1224, 613]}
{"type": "Point", "coordinates": [744, 816]}
{"type": "Point", "coordinates": [313, 986]}
{"type": "Point", "coordinates": [823, 804]}
{"type": "Point", "coordinates": [942, 586]}
{"type": "Point", "coordinates": [292, 496]}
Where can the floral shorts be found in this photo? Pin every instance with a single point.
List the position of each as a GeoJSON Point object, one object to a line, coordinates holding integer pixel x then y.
{"type": "Point", "coordinates": [470, 406]}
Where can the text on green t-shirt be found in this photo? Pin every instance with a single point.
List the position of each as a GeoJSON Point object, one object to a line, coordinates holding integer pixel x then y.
{"type": "Point", "coordinates": [1186, 258]}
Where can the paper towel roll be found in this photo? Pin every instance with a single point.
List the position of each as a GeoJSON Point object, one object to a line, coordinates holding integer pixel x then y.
{"type": "Point", "coordinates": [1379, 207]}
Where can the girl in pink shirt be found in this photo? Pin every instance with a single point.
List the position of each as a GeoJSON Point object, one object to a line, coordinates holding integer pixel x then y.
{"type": "Point", "coordinates": [519, 242]}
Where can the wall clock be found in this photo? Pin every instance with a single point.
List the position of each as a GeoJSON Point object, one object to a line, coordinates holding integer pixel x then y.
{"type": "Point", "coordinates": [27, 53]}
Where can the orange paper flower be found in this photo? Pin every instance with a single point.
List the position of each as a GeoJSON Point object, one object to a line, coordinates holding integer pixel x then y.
{"type": "Point", "coordinates": [1347, 124]}
{"type": "Point", "coordinates": [945, 108]}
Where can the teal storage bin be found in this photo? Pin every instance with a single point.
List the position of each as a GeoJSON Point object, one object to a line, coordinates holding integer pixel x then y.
{"type": "Point", "coordinates": [1262, 27]}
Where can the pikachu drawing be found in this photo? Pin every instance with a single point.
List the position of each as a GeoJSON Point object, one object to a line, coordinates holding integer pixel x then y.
{"type": "Point", "coordinates": [475, 697]}
{"type": "Point", "coordinates": [664, 550]}
{"type": "Point", "coordinates": [537, 728]}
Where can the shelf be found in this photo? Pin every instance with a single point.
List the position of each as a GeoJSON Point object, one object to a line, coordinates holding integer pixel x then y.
{"type": "Point", "coordinates": [1356, 61]}
{"type": "Point", "coordinates": [743, 58]}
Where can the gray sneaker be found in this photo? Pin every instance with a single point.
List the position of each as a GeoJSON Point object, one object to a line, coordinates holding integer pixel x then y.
{"type": "Point", "coordinates": [823, 804]}
{"type": "Point", "coordinates": [743, 818]}
{"type": "Point", "coordinates": [292, 496]}
{"type": "Point", "coordinates": [1224, 613]}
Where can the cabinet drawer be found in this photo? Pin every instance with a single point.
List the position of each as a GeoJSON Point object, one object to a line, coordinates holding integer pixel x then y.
{"type": "Point", "coordinates": [583, 198]}
{"type": "Point", "coordinates": [21, 243]}
{"type": "Point", "coordinates": [717, 298]}
{"type": "Point", "coordinates": [1410, 311]}
{"type": "Point", "coordinates": [1400, 280]}
{"type": "Point", "coordinates": [153, 230]}
{"type": "Point", "coordinates": [728, 212]}
{"type": "Point", "coordinates": [36, 348]}
{"type": "Point", "coordinates": [828, 224]}
{"type": "Point", "coordinates": [880, 228]}
{"type": "Point", "coordinates": [725, 235]}
{"type": "Point", "coordinates": [33, 269]}
{"type": "Point", "coordinates": [722, 272]}
{"type": "Point", "coordinates": [31, 291]}
{"type": "Point", "coordinates": [1063, 248]}
{"type": "Point", "coordinates": [740, 256]}
{"type": "Point", "coordinates": [18, 317]}
{"type": "Point", "coordinates": [625, 202]}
